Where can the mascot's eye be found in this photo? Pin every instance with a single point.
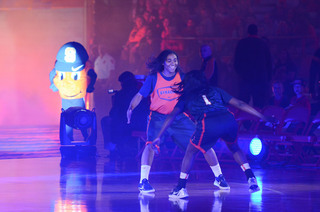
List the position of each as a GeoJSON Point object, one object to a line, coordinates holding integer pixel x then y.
{"type": "Point", "coordinates": [75, 76]}
{"type": "Point", "coordinates": [61, 75]}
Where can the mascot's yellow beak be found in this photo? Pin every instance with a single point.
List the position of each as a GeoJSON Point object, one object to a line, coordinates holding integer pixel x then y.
{"type": "Point", "coordinates": [71, 85]}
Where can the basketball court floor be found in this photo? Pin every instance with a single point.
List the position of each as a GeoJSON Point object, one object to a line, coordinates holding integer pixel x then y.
{"type": "Point", "coordinates": [34, 177]}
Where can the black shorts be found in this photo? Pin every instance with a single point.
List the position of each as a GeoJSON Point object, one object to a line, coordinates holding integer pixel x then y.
{"type": "Point", "coordinates": [181, 129]}
{"type": "Point", "coordinates": [212, 127]}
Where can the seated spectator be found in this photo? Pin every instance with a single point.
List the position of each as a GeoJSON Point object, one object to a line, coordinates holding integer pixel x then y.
{"type": "Point", "coordinates": [136, 35]}
{"type": "Point", "coordinates": [169, 31]}
{"type": "Point", "coordinates": [278, 98]}
{"type": "Point", "coordinates": [190, 29]}
{"type": "Point", "coordinates": [205, 25]}
{"type": "Point", "coordinates": [300, 99]}
{"type": "Point", "coordinates": [148, 46]}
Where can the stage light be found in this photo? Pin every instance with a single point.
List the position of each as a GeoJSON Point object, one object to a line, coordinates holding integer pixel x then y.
{"type": "Point", "coordinates": [255, 146]}
{"type": "Point", "coordinates": [79, 118]}
{"type": "Point", "coordinates": [83, 120]}
{"type": "Point", "coordinates": [257, 149]}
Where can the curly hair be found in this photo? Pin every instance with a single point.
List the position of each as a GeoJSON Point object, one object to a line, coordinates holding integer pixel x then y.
{"type": "Point", "coordinates": [193, 84]}
{"type": "Point", "coordinates": [156, 64]}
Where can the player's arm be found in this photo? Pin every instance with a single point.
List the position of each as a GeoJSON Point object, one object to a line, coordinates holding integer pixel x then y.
{"type": "Point", "coordinates": [133, 104]}
{"type": "Point", "coordinates": [247, 108]}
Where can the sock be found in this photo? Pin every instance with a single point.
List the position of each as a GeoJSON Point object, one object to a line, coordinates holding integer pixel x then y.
{"type": "Point", "coordinates": [249, 174]}
{"type": "Point", "coordinates": [245, 166]}
{"type": "Point", "coordinates": [247, 170]}
{"type": "Point", "coordinates": [182, 180]}
{"type": "Point", "coordinates": [144, 173]}
{"type": "Point", "coordinates": [184, 175]}
{"type": "Point", "coordinates": [216, 170]}
{"type": "Point", "coordinates": [182, 183]}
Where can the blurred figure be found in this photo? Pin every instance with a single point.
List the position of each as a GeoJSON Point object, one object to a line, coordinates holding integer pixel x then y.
{"type": "Point", "coordinates": [283, 66]}
{"type": "Point", "coordinates": [136, 35]}
{"type": "Point", "coordinates": [169, 31]}
{"type": "Point", "coordinates": [120, 131]}
{"type": "Point", "coordinates": [285, 70]}
{"type": "Point", "coordinates": [149, 46]}
{"type": "Point", "coordinates": [209, 65]}
{"type": "Point", "coordinates": [190, 28]}
{"type": "Point", "coordinates": [278, 98]}
{"type": "Point", "coordinates": [314, 75]}
{"type": "Point", "coordinates": [205, 26]}
{"type": "Point", "coordinates": [252, 62]}
{"type": "Point", "coordinates": [104, 66]}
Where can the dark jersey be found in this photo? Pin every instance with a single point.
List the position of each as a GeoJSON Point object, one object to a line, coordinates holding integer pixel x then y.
{"type": "Point", "coordinates": [214, 101]}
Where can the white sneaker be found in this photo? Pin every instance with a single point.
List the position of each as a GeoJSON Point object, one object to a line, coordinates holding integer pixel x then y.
{"type": "Point", "coordinates": [178, 194]}
{"type": "Point", "coordinates": [253, 185]}
{"type": "Point", "coordinates": [221, 182]}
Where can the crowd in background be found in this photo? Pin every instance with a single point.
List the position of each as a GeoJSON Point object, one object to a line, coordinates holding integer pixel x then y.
{"type": "Point", "coordinates": [289, 30]}
{"type": "Point", "coordinates": [183, 25]}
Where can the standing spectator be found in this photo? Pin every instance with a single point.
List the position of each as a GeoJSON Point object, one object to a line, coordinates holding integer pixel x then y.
{"type": "Point", "coordinates": [209, 65]}
{"type": "Point", "coordinates": [252, 62]}
{"type": "Point", "coordinates": [104, 66]}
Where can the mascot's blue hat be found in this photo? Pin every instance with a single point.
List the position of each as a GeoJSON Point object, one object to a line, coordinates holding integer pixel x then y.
{"type": "Point", "coordinates": [71, 57]}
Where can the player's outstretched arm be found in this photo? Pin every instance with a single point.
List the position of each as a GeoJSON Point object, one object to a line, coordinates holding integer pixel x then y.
{"type": "Point", "coordinates": [247, 108]}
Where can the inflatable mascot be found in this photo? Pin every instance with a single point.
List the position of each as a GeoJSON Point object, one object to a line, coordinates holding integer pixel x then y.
{"type": "Point", "coordinates": [71, 78]}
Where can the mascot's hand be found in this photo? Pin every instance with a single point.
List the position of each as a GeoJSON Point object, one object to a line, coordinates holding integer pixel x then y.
{"type": "Point", "coordinates": [93, 77]}
{"type": "Point", "coordinates": [90, 89]}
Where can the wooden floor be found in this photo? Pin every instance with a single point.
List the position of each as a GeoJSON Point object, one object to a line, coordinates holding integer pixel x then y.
{"type": "Point", "coordinates": [33, 177]}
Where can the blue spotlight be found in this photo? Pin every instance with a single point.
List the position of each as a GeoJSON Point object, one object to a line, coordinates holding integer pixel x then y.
{"type": "Point", "coordinates": [255, 146]}
{"type": "Point", "coordinates": [257, 149]}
